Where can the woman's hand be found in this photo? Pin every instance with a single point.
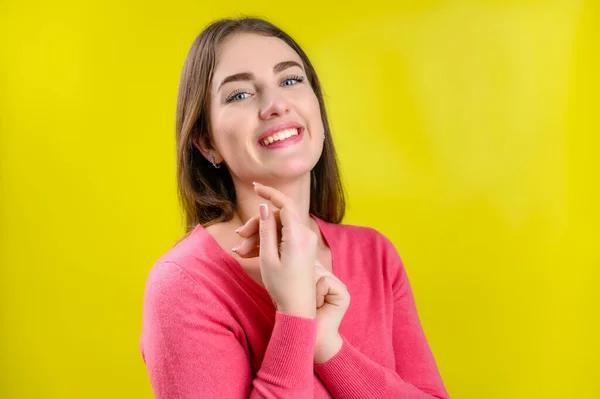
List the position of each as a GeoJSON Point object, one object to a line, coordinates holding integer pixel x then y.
{"type": "Point", "coordinates": [331, 295]}
{"type": "Point", "coordinates": [286, 268]}
{"type": "Point", "coordinates": [249, 247]}
{"type": "Point", "coordinates": [333, 300]}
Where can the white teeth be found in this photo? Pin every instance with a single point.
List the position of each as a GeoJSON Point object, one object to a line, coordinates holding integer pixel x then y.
{"type": "Point", "coordinates": [279, 136]}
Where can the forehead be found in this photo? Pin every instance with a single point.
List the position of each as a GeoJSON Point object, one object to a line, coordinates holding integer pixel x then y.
{"type": "Point", "coordinates": [248, 52]}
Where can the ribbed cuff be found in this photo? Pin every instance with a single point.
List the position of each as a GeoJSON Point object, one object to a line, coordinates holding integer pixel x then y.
{"type": "Point", "coordinates": [289, 356]}
{"type": "Point", "coordinates": [350, 374]}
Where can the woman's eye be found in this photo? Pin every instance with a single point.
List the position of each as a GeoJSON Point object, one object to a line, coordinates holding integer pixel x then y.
{"type": "Point", "coordinates": [292, 81]}
{"type": "Point", "coordinates": [238, 96]}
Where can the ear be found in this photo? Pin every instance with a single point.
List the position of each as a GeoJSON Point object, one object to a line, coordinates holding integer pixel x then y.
{"type": "Point", "coordinates": [206, 149]}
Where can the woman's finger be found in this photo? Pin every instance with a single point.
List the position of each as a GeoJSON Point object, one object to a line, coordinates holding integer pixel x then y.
{"type": "Point", "coordinates": [322, 290]}
{"type": "Point", "coordinates": [269, 251]}
{"type": "Point", "coordinates": [273, 195]}
{"type": "Point", "coordinates": [287, 214]}
{"type": "Point", "coordinates": [249, 248]}
{"type": "Point", "coordinates": [321, 272]}
{"type": "Point", "coordinates": [331, 291]}
{"type": "Point", "coordinates": [251, 227]}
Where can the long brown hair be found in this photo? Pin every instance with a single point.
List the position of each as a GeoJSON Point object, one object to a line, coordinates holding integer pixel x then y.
{"type": "Point", "coordinates": [206, 193]}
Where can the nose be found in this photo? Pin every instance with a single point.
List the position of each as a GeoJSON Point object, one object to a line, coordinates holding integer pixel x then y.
{"type": "Point", "coordinates": [275, 105]}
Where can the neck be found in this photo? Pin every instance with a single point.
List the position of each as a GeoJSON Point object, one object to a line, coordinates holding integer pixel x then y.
{"type": "Point", "coordinates": [298, 190]}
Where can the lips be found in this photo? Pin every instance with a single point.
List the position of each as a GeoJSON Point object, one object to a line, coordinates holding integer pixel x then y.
{"type": "Point", "coordinates": [281, 127]}
{"type": "Point", "coordinates": [279, 136]}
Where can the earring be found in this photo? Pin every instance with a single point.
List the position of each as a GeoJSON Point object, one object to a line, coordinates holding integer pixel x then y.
{"type": "Point", "coordinates": [216, 165]}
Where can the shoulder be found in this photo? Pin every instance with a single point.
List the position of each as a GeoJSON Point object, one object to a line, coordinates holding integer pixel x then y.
{"type": "Point", "coordinates": [186, 268]}
{"type": "Point", "coordinates": [368, 245]}
{"type": "Point", "coordinates": [172, 294]}
{"type": "Point", "coordinates": [176, 306]}
{"type": "Point", "coordinates": [197, 253]}
{"type": "Point", "coordinates": [186, 249]}
{"type": "Point", "coordinates": [166, 285]}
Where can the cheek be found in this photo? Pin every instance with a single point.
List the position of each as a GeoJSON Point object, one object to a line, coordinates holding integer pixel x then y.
{"type": "Point", "coordinates": [311, 111]}
{"type": "Point", "coordinates": [226, 127]}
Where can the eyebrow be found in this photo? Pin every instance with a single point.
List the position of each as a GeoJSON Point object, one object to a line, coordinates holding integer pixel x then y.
{"type": "Point", "coordinates": [279, 67]}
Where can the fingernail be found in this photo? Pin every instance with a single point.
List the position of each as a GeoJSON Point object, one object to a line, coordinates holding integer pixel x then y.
{"type": "Point", "coordinates": [234, 249]}
{"type": "Point", "coordinates": [264, 211]}
{"type": "Point", "coordinates": [238, 229]}
{"type": "Point", "coordinates": [254, 183]}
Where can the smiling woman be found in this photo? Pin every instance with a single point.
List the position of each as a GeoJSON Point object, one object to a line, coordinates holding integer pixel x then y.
{"type": "Point", "coordinates": [255, 300]}
{"type": "Point", "coordinates": [228, 78]}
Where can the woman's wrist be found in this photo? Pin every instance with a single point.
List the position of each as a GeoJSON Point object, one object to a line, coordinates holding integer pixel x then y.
{"type": "Point", "coordinates": [327, 349]}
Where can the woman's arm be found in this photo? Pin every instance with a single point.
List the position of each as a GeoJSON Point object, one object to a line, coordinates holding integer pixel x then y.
{"type": "Point", "coordinates": [351, 374]}
{"type": "Point", "coordinates": [190, 352]}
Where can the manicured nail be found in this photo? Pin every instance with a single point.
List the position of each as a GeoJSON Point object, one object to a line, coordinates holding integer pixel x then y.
{"type": "Point", "coordinates": [264, 211]}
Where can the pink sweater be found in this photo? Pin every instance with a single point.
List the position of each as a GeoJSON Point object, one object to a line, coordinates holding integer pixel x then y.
{"type": "Point", "coordinates": [210, 331]}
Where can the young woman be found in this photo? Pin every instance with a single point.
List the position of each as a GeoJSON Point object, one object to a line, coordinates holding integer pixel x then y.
{"type": "Point", "coordinates": [255, 300]}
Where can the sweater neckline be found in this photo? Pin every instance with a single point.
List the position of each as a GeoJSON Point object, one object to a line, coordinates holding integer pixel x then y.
{"type": "Point", "coordinates": [237, 268]}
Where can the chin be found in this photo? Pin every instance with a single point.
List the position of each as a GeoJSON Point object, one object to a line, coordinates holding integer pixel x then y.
{"type": "Point", "coordinates": [289, 170]}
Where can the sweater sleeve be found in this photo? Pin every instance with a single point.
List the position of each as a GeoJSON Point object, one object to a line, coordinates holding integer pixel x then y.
{"type": "Point", "coordinates": [352, 375]}
{"type": "Point", "coordinates": [190, 352]}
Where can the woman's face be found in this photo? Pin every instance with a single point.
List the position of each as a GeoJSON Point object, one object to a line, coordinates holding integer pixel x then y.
{"type": "Point", "coordinates": [264, 116]}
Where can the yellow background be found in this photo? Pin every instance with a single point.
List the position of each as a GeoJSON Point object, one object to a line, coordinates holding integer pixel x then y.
{"type": "Point", "coordinates": [467, 132]}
